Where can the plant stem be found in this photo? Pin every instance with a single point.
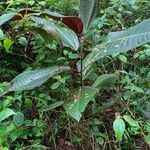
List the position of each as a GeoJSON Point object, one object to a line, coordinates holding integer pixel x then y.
{"type": "Point", "coordinates": [119, 145]}
{"type": "Point", "coordinates": [81, 65]}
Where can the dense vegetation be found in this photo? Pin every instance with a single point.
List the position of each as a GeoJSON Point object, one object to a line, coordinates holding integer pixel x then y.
{"type": "Point", "coordinates": [77, 81]}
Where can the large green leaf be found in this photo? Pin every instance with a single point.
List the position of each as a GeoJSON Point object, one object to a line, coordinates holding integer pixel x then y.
{"type": "Point", "coordinates": [29, 80]}
{"type": "Point", "coordinates": [67, 37]}
{"type": "Point", "coordinates": [88, 11]}
{"type": "Point", "coordinates": [78, 100]}
{"type": "Point", "coordinates": [119, 42]}
{"type": "Point", "coordinates": [4, 114]}
{"type": "Point", "coordinates": [6, 17]}
{"type": "Point", "coordinates": [105, 80]}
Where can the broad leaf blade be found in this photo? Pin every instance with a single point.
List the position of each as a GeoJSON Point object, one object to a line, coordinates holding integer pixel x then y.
{"type": "Point", "coordinates": [119, 42]}
{"type": "Point", "coordinates": [6, 17]}
{"type": "Point", "coordinates": [78, 100]}
{"type": "Point", "coordinates": [4, 114]}
{"type": "Point", "coordinates": [67, 37]}
{"type": "Point", "coordinates": [88, 11]}
{"type": "Point", "coordinates": [105, 80]}
{"type": "Point", "coordinates": [29, 80]}
{"type": "Point", "coordinates": [114, 35]}
{"type": "Point", "coordinates": [45, 28]}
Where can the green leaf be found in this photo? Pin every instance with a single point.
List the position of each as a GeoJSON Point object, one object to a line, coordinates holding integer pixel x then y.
{"type": "Point", "coordinates": [131, 121]}
{"type": "Point", "coordinates": [23, 41]}
{"type": "Point", "coordinates": [78, 100]}
{"type": "Point", "coordinates": [147, 138]}
{"type": "Point", "coordinates": [121, 42]}
{"type": "Point", "coordinates": [114, 35]}
{"type": "Point", "coordinates": [105, 80]}
{"type": "Point", "coordinates": [55, 85]}
{"type": "Point", "coordinates": [5, 131]}
{"type": "Point", "coordinates": [119, 128]}
{"type": "Point", "coordinates": [1, 33]}
{"type": "Point", "coordinates": [100, 140]}
{"type": "Point", "coordinates": [47, 26]}
{"type": "Point", "coordinates": [29, 80]}
{"type": "Point", "coordinates": [53, 106]}
{"type": "Point", "coordinates": [67, 37]}
{"type": "Point", "coordinates": [18, 119]}
{"type": "Point", "coordinates": [88, 11]}
{"type": "Point", "coordinates": [5, 148]}
{"type": "Point", "coordinates": [47, 37]}
{"type": "Point", "coordinates": [7, 44]}
{"type": "Point", "coordinates": [28, 103]}
{"type": "Point", "coordinates": [6, 17]}
{"type": "Point", "coordinates": [4, 114]}
{"type": "Point", "coordinates": [123, 58]}
{"type": "Point", "coordinates": [16, 134]}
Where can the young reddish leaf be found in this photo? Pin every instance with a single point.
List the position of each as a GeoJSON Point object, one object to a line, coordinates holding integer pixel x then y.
{"type": "Point", "coordinates": [22, 13]}
{"type": "Point", "coordinates": [72, 22]}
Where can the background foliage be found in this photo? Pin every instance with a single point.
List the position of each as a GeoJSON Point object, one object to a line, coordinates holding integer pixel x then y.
{"type": "Point", "coordinates": [118, 118]}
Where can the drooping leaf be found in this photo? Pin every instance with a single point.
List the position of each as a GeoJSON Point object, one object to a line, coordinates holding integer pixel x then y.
{"type": "Point", "coordinates": [67, 37]}
{"type": "Point", "coordinates": [119, 128]}
{"type": "Point", "coordinates": [119, 42]}
{"type": "Point", "coordinates": [105, 80]}
{"type": "Point", "coordinates": [46, 36]}
{"type": "Point", "coordinates": [78, 100]}
{"type": "Point", "coordinates": [4, 114]}
{"type": "Point", "coordinates": [88, 11]}
{"type": "Point", "coordinates": [72, 22]}
{"type": "Point", "coordinates": [6, 17]}
{"type": "Point", "coordinates": [29, 80]}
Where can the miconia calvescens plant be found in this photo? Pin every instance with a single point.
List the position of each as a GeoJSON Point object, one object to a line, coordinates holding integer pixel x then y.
{"type": "Point", "coordinates": [68, 32]}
